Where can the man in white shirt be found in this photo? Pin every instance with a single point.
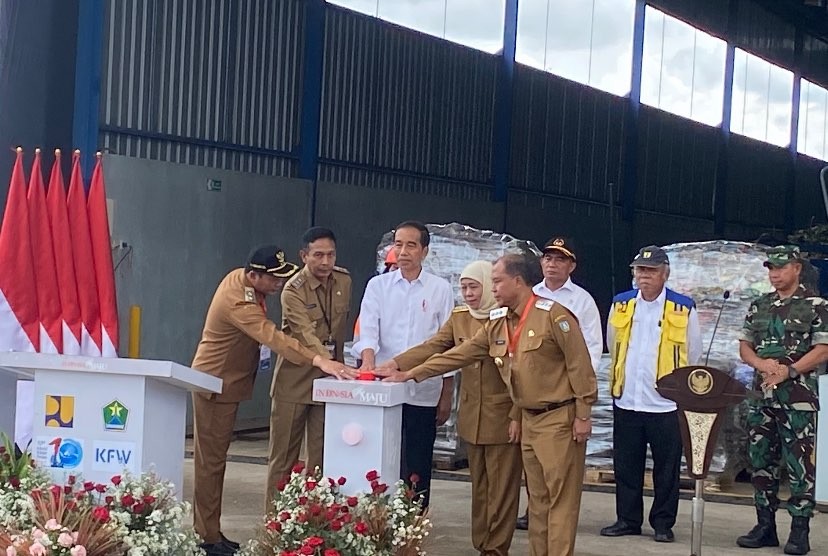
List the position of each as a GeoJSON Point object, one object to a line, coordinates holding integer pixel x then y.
{"type": "Point", "coordinates": [399, 310]}
{"type": "Point", "coordinates": [650, 332]}
{"type": "Point", "coordinates": [558, 263]}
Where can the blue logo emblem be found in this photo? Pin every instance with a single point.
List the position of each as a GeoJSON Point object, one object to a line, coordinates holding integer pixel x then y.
{"type": "Point", "coordinates": [67, 453]}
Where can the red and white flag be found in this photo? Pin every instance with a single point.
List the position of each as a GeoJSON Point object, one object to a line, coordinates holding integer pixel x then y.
{"type": "Point", "coordinates": [102, 254]}
{"type": "Point", "coordinates": [19, 318]}
{"type": "Point", "coordinates": [84, 263]}
{"type": "Point", "coordinates": [64, 259]}
{"type": "Point", "coordinates": [43, 258]}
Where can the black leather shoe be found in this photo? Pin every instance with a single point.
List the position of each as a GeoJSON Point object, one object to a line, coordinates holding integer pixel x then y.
{"type": "Point", "coordinates": [232, 544]}
{"type": "Point", "coordinates": [217, 549]}
{"type": "Point", "coordinates": [620, 529]}
{"type": "Point", "coordinates": [664, 536]}
{"type": "Point", "coordinates": [523, 522]}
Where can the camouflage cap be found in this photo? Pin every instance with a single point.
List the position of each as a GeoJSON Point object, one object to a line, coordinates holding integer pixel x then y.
{"type": "Point", "coordinates": [782, 255]}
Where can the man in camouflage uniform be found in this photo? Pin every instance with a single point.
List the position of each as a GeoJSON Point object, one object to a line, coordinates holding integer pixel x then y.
{"type": "Point", "coordinates": [785, 338]}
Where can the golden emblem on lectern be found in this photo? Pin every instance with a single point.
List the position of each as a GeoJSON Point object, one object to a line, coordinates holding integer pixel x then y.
{"type": "Point", "coordinates": [700, 382]}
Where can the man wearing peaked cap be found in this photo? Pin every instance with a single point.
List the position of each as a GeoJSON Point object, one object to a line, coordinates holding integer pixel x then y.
{"type": "Point", "coordinates": [651, 331]}
{"type": "Point", "coordinates": [235, 329]}
{"type": "Point", "coordinates": [785, 339]}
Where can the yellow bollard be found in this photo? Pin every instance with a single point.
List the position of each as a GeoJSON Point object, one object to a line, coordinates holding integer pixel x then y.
{"type": "Point", "coordinates": [134, 332]}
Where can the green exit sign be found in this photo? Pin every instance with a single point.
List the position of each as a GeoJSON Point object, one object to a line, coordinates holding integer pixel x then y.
{"type": "Point", "coordinates": [213, 185]}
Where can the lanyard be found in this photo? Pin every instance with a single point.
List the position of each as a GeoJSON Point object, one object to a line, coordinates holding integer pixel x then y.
{"type": "Point", "coordinates": [325, 315]}
{"type": "Point", "coordinates": [513, 337]}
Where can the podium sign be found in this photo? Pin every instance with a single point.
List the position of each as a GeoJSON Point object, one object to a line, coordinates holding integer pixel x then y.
{"type": "Point", "coordinates": [363, 429]}
{"type": "Point", "coordinates": [703, 395]}
{"type": "Point", "coordinates": [97, 417]}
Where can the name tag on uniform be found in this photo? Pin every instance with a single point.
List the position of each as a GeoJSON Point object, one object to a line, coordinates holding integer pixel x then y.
{"type": "Point", "coordinates": [264, 358]}
{"type": "Point", "coordinates": [499, 313]}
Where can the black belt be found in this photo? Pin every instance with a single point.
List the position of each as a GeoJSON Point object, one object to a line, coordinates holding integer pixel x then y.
{"type": "Point", "coordinates": [550, 407]}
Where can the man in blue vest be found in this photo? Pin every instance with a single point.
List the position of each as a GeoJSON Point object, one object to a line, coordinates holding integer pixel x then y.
{"type": "Point", "coordinates": [651, 331]}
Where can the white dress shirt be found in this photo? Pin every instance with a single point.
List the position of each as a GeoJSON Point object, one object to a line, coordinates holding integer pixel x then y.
{"type": "Point", "coordinates": [582, 305]}
{"type": "Point", "coordinates": [396, 315]}
{"type": "Point", "coordinates": [639, 392]}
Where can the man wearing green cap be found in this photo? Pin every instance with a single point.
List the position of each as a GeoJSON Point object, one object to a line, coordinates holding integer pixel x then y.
{"type": "Point", "coordinates": [785, 338]}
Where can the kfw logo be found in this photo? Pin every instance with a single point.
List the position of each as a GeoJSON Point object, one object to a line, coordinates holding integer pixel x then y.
{"type": "Point", "coordinates": [115, 457]}
{"type": "Point", "coordinates": [110, 456]}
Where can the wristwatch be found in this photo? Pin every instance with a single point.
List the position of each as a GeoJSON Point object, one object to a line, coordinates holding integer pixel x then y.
{"type": "Point", "coordinates": [792, 373]}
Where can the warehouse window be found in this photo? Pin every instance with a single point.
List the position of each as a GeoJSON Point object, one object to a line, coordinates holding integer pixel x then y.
{"type": "Point", "coordinates": [588, 41]}
{"type": "Point", "coordinates": [813, 120]}
{"type": "Point", "coordinates": [762, 99]}
{"type": "Point", "coordinates": [460, 21]}
{"type": "Point", "coordinates": [683, 69]}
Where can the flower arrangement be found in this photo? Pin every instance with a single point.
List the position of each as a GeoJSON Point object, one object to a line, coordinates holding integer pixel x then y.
{"type": "Point", "coordinates": [311, 517]}
{"type": "Point", "coordinates": [130, 516]}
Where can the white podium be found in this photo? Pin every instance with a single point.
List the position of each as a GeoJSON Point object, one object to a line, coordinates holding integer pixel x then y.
{"type": "Point", "coordinates": [822, 443]}
{"type": "Point", "coordinates": [96, 417]}
{"type": "Point", "coordinates": [363, 424]}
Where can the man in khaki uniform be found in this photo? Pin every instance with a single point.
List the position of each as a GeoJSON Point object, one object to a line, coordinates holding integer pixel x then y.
{"type": "Point", "coordinates": [315, 304]}
{"type": "Point", "coordinates": [486, 418]}
{"type": "Point", "coordinates": [541, 355]}
{"type": "Point", "coordinates": [235, 328]}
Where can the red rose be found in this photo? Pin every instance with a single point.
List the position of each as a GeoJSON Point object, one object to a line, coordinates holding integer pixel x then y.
{"type": "Point", "coordinates": [302, 517]}
{"type": "Point", "coordinates": [315, 509]}
{"type": "Point", "coordinates": [346, 518]}
{"type": "Point", "coordinates": [149, 499]}
{"type": "Point", "coordinates": [80, 496]}
{"type": "Point", "coordinates": [307, 550]}
{"type": "Point", "coordinates": [100, 488]}
{"type": "Point", "coordinates": [281, 485]}
{"type": "Point", "coordinates": [330, 515]}
{"type": "Point", "coordinates": [316, 541]}
{"type": "Point", "coordinates": [127, 500]}
{"type": "Point", "coordinates": [67, 489]}
{"type": "Point", "coordinates": [109, 500]}
{"type": "Point", "coordinates": [88, 486]}
{"type": "Point", "coordinates": [341, 482]}
{"type": "Point", "coordinates": [374, 483]}
{"type": "Point", "coordinates": [352, 501]}
{"type": "Point", "coordinates": [116, 480]}
{"type": "Point", "coordinates": [302, 500]}
{"type": "Point", "coordinates": [71, 505]}
{"type": "Point", "coordinates": [284, 516]}
{"type": "Point", "coordinates": [372, 475]}
{"type": "Point", "coordinates": [331, 552]}
{"type": "Point", "coordinates": [138, 508]}
{"type": "Point", "coordinates": [310, 485]}
{"type": "Point", "coordinates": [414, 478]}
{"type": "Point", "coordinates": [14, 482]}
{"type": "Point", "coordinates": [380, 488]}
{"type": "Point", "coordinates": [274, 526]}
{"type": "Point", "coordinates": [361, 528]}
{"type": "Point", "coordinates": [336, 525]}
{"type": "Point", "coordinates": [71, 480]}
{"type": "Point", "coordinates": [298, 468]}
{"type": "Point", "coordinates": [101, 513]}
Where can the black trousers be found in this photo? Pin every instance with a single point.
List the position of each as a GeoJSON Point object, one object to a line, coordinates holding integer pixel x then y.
{"type": "Point", "coordinates": [632, 431]}
{"type": "Point", "coordinates": [419, 429]}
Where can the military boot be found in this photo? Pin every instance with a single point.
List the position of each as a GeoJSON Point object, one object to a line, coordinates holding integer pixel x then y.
{"type": "Point", "coordinates": [764, 533]}
{"type": "Point", "coordinates": [798, 539]}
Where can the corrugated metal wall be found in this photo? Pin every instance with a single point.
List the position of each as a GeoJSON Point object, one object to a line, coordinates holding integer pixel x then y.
{"type": "Point", "coordinates": [404, 111]}
{"type": "Point", "coordinates": [206, 82]}
{"type": "Point", "coordinates": [566, 138]}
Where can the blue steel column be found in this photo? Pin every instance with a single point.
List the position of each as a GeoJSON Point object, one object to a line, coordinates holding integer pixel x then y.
{"type": "Point", "coordinates": [88, 81]}
{"type": "Point", "coordinates": [502, 146]}
{"type": "Point", "coordinates": [790, 196]}
{"type": "Point", "coordinates": [722, 165]}
{"type": "Point", "coordinates": [631, 122]}
{"type": "Point", "coordinates": [314, 45]}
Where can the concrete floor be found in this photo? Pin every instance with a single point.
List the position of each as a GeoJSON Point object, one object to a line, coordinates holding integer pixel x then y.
{"type": "Point", "coordinates": [450, 511]}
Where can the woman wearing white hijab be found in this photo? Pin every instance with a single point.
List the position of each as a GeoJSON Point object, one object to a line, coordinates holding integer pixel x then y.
{"type": "Point", "coordinates": [484, 416]}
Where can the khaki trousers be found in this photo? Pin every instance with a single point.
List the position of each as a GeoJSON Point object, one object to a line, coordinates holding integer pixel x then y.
{"type": "Point", "coordinates": [495, 471]}
{"type": "Point", "coordinates": [554, 466]}
{"type": "Point", "coordinates": [212, 432]}
{"type": "Point", "coordinates": [288, 424]}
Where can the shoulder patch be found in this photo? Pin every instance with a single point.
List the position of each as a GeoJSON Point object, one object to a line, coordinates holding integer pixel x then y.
{"type": "Point", "coordinates": [249, 295]}
{"type": "Point", "coordinates": [460, 309]}
{"type": "Point", "coordinates": [564, 325]}
{"type": "Point", "coordinates": [297, 282]}
{"type": "Point", "coordinates": [544, 304]}
{"type": "Point", "coordinates": [498, 313]}
{"type": "Point", "coordinates": [341, 269]}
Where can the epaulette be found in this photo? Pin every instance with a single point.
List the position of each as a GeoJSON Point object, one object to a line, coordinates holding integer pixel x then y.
{"type": "Point", "coordinates": [498, 313]}
{"type": "Point", "coordinates": [460, 309]}
{"type": "Point", "coordinates": [341, 269]}
{"type": "Point", "coordinates": [297, 281]}
{"type": "Point", "coordinates": [544, 304]}
{"type": "Point", "coordinates": [249, 295]}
